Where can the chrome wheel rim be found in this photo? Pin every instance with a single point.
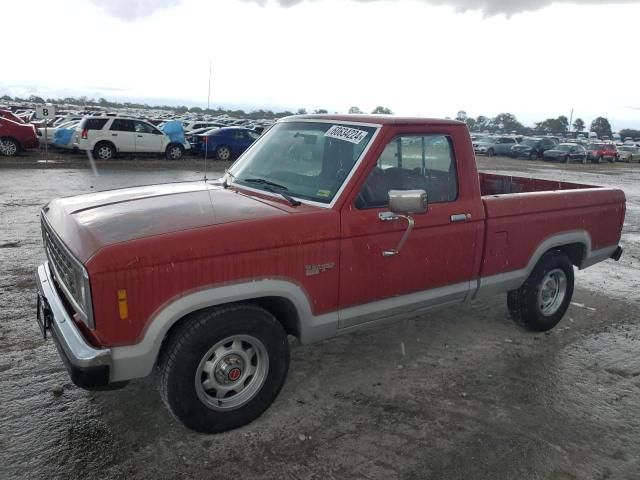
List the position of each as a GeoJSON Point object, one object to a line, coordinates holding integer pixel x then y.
{"type": "Point", "coordinates": [552, 292]}
{"type": "Point", "coordinates": [9, 148]}
{"type": "Point", "coordinates": [224, 153]}
{"type": "Point", "coordinates": [232, 372]}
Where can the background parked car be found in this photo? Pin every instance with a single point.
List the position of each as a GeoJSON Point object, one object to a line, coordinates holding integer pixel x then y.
{"type": "Point", "coordinates": [107, 136]}
{"type": "Point", "coordinates": [602, 151]}
{"type": "Point", "coordinates": [566, 152]}
{"type": "Point", "coordinates": [532, 148]}
{"type": "Point", "coordinates": [495, 145]}
{"type": "Point", "coordinates": [629, 153]}
{"type": "Point", "coordinates": [16, 136]}
{"type": "Point", "coordinates": [225, 143]}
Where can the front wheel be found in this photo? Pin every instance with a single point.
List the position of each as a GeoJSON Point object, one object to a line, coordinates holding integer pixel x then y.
{"type": "Point", "coordinates": [490, 152]}
{"type": "Point", "coordinates": [223, 367]}
{"type": "Point", "coordinates": [541, 302]}
{"type": "Point", "coordinates": [566, 159]}
{"type": "Point", "coordinates": [9, 147]}
{"type": "Point", "coordinates": [174, 151]}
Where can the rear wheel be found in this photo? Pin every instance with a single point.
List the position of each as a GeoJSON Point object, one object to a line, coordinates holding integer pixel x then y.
{"type": "Point", "coordinates": [223, 367]}
{"type": "Point", "coordinates": [541, 302]}
{"type": "Point", "coordinates": [9, 147]}
{"type": "Point", "coordinates": [490, 152]}
{"type": "Point", "coordinates": [223, 153]}
{"type": "Point", "coordinates": [104, 151]}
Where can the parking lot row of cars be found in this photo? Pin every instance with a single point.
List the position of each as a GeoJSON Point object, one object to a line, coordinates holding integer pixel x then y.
{"type": "Point", "coordinates": [107, 136]}
{"type": "Point", "coordinates": [553, 149]}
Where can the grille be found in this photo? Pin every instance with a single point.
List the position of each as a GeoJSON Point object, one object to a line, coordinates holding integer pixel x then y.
{"type": "Point", "coordinates": [63, 267]}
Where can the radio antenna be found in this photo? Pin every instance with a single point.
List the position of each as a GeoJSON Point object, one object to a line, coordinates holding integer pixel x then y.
{"type": "Point", "coordinates": [206, 141]}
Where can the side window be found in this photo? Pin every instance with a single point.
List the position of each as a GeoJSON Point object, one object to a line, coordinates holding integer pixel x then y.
{"type": "Point", "coordinates": [412, 162]}
{"type": "Point", "coordinates": [122, 125]}
{"type": "Point", "coordinates": [95, 123]}
{"type": "Point", "coordinates": [142, 127]}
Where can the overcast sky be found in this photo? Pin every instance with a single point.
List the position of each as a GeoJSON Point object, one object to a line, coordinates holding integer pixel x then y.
{"type": "Point", "coordinates": [533, 58]}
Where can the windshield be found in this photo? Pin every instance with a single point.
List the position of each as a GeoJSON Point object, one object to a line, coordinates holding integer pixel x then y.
{"type": "Point", "coordinates": [488, 140]}
{"type": "Point", "coordinates": [309, 160]}
{"type": "Point", "coordinates": [529, 142]}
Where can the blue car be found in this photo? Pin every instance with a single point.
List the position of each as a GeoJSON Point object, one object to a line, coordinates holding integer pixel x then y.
{"type": "Point", "coordinates": [225, 143]}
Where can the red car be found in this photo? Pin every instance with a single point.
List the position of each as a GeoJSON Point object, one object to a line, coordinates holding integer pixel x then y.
{"type": "Point", "coordinates": [597, 152]}
{"type": "Point", "coordinates": [325, 225]}
{"type": "Point", "coordinates": [16, 136]}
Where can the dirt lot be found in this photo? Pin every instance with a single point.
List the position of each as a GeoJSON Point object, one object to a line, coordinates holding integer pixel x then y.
{"type": "Point", "coordinates": [472, 397]}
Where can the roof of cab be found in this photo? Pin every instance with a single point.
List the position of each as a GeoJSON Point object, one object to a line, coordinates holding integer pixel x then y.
{"type": "Point", "coordinates": [375, 119]}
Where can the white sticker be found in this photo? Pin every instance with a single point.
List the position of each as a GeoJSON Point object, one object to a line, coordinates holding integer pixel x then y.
{"type": "Point", "coordinates": [352, 135]}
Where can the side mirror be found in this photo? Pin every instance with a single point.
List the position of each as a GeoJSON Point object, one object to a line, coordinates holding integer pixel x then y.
{"type": "Point", "coordinates": [406, 202]}
{"type": "Point", "coordinates": [402, 204]}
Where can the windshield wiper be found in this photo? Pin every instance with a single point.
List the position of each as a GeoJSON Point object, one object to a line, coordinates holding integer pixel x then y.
{"type": "Point", "coordinates": [275, 188]}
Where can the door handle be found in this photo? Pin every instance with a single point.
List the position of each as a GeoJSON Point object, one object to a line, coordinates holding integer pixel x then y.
{"type": "Point", "coordinates": [114, 134]}
{"type": "Point", "coordinates": [388, 216]}
{"type": "Point", "coordinates": [460, 217]}
{"type": "Point", "coordinates": [139, 136]}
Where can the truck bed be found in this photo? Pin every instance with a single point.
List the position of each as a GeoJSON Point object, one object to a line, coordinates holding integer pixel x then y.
{"type": "Point", "coordinates": [492, 184]}
{"type": "Point", "coordinates": [526, 216]}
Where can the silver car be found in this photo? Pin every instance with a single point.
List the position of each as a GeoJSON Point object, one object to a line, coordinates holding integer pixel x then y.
{"type": "Point", "coordinates": [494, 145]}
{"type": "Point", "coordinates": [629, 153]}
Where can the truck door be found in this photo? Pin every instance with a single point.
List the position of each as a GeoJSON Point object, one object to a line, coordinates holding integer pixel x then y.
{"type": "Point", "coordinates": [436, 263]}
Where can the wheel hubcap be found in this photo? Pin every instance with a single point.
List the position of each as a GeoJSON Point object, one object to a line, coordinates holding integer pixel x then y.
{"type": "Point", "coordinates": [104, 152]}
{"type": "Point", "coordinates": [551, 294]}
{"type": "Point", "coordinates": [224, 154]}
{"type": "Point", "coordinates": [232, 372]}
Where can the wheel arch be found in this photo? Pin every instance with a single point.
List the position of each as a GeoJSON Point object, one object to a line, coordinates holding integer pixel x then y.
{"type": "Point", "coordinates": [108, 142]}
{"type": "Point", "coordinates": [285, 300]}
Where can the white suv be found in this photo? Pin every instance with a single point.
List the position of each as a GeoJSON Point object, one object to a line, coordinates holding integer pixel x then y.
{"type": "Point", "coordinates": [107, 136]}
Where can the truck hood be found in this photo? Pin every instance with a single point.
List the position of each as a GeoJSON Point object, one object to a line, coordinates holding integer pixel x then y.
{"type": "Point", "coordinates": [86, 223]}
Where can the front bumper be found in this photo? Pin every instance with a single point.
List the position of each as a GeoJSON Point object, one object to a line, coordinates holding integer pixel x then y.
{"type": "Point", "coordinates": [88, 367]}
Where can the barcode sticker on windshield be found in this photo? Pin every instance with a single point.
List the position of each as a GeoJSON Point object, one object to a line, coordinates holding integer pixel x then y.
{"type": "Point", "coordinates": [352, 135]}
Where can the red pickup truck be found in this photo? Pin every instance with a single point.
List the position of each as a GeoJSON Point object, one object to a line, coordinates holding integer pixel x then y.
{"type": "Point", "coordinates": [325, 225]}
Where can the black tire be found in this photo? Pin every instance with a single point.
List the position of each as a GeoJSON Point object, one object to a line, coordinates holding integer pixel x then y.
{"type": "Point", "coordinates": [599, 159]}
{"type": "Point", "coordinates": [490, 152]}
{"type": "Point", "coordinates": [524, 303]}
{"type": "Point", "coordinates": [174, 151]}
{"type": "Point", "coordinates": [534, 155]}
{"type": "Point", "coordinates": [9, 147]}
{"type": "Point", "coordinates": [223, 153]}
{"type": "Point", "coordinates": [566, 159]}
{"type": "Point", "coordinates": [187, 351]}
{"type": "Point", "coordinates": [104, 151]}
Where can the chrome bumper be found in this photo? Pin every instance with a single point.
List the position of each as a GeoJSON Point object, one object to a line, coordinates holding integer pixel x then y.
{"type": "Point", "coordinates": [89, 367]}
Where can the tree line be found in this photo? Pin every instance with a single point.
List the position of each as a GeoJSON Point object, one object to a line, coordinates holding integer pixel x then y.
{"type": "Point", "coordinates": [507, 123]}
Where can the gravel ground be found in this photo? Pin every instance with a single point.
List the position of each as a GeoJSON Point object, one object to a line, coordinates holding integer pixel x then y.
{"type": "Point", "coordinates": [460, 393]}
